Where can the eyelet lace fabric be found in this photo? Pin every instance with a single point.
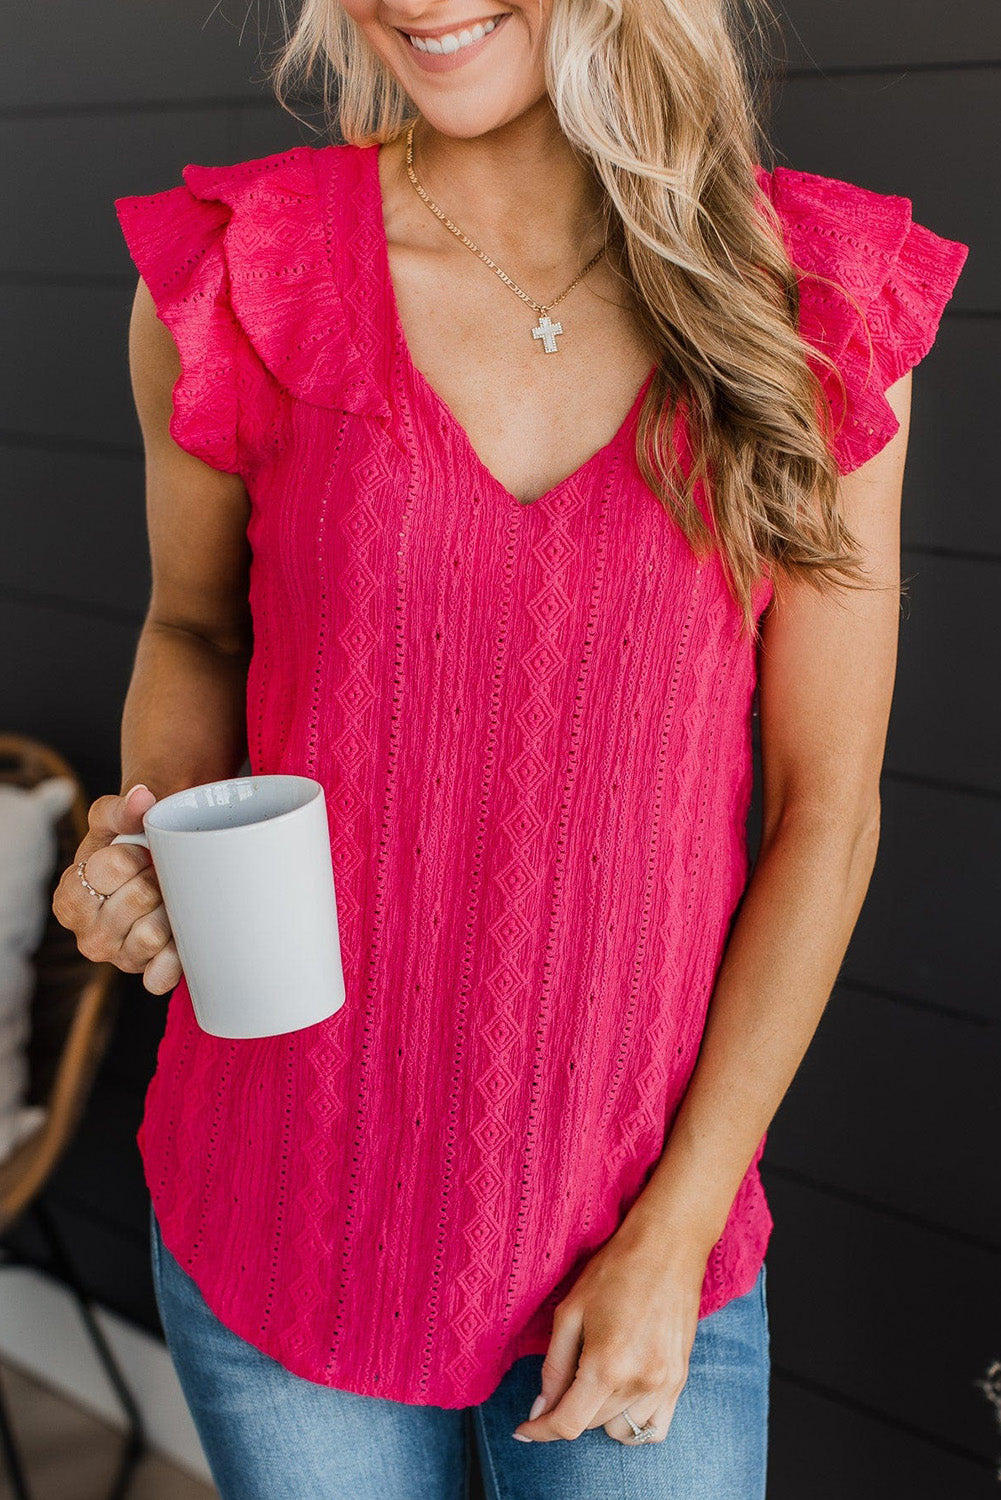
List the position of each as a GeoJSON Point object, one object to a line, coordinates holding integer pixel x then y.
{"type": "Point", "coordinates": [873, 287]}
{"type": "Point", "coordinates": [533, 728]}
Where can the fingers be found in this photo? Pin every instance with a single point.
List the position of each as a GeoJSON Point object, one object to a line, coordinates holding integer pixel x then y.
{"type": "Point", "coordinates": [124, 874]}
{"type": "Point", "coordinates": [592, 1388]}
{"type": "Point", "coordinates": [560, 1364]}
{"type": "Point", "coordinates": [576, 1383]}
{"type": "Point", "coordinates": [575, 1410]}
{"type": "Point", "coordinates": [593, 1401]}
{"type": "Point", "coordinates": [650, 1397]}
{"type": "Point", "coordinates": [73, 905]}
{"type": "Point", "coordinates": [130, 927]}
{"type": "Point", "coordinates": [77, 908]}
{"type": "Point", "coordinates": [111, 867]}
{"type": "Point", "coordinates": [163, 971]}
{"type": "Point", "coordinates": [113, 814]}
{"type": "Point", "coordinates": [147, 934]}
{"type": "Point", "coordinates": [656, 1411]}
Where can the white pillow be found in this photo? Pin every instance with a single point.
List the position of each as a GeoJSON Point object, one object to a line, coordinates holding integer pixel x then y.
{"type": "Point", "coordinates": [28, 852]}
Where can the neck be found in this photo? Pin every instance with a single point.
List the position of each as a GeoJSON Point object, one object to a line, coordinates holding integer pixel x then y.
{"type": "Point", "coordinates": [517, 186]}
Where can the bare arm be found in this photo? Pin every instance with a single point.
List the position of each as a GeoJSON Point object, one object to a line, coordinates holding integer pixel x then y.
{"type": "Point", "coordinates": [184, 714]}
{"type": "Point", "coordinates": [183, 719]}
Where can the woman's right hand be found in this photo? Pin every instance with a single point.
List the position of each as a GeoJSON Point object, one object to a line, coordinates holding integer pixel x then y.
{"type": "Point", "coordinates": [130, 929]}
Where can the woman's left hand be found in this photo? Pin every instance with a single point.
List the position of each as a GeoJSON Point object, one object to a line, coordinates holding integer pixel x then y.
{"type": "Point", "coordinates": [636, 1315]}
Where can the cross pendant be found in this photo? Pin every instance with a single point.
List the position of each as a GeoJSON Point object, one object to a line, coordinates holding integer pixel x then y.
{"type": "Point", "coordinates": [547, 331]}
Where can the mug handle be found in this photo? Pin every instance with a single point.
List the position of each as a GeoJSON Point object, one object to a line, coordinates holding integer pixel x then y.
{"type": "Point", "coordinates": [131, 838]}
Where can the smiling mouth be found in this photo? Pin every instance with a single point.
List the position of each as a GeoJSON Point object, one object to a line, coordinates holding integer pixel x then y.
{"type": "Point", "coordinates": [454, 41]}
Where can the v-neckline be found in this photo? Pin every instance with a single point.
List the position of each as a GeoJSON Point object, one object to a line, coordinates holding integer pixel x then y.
{"type": "Point", "coordinates": [420, 380]}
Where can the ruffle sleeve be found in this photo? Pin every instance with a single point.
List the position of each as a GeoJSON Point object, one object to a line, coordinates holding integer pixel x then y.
{"type": "Point", "coordinates": [237, 263]}
{"type": "Point", "coordinates": [176, 242]}
{"type": "Point", "coordinates": [873, 287]}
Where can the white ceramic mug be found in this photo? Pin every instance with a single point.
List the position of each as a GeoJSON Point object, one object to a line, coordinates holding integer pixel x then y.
{"type": "Point", "coordinates": [248, 885]}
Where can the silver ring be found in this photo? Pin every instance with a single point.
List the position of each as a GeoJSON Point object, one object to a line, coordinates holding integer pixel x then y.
{"type": "Point", "coordinates": [640, 1434]}
{"type": "Point", "coordinates": [81, 866]}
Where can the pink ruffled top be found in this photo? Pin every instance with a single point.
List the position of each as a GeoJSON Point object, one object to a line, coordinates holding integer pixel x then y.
{"type": "Point", "coordinates": [533, 725]}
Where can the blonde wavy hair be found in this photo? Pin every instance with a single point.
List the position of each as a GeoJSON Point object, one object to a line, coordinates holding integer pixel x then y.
{"type": "Point", "coordinates": [664, 100]}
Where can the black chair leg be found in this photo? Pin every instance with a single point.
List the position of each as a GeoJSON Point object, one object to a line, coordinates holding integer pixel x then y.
{"type": "Point", "coordinates": [135, 1442]}
{"type": "Point", "coordinates": [12, 1459]}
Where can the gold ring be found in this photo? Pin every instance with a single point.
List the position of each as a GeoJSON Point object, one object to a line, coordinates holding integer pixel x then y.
{"type": "Point", "coordinates": [81, 866]}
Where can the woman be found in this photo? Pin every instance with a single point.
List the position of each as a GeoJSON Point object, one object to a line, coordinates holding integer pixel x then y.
{"type": "Point", "coordinates": [494, 459]}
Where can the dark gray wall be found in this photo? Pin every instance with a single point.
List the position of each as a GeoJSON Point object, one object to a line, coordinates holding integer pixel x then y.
{"type": "Point", "coordinates": [886, 1257]}
{"type": "Point", "coordinates": [885, 1262]}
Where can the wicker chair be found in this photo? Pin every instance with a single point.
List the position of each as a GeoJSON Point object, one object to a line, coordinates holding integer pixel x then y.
{"type": "Point", "coordinates": [73, 1010]}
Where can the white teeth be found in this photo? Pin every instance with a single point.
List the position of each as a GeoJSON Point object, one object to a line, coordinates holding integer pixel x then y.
{"type": "Point", "coordinates": [452, 42]}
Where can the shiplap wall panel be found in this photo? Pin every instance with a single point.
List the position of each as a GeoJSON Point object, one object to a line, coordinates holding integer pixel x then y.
{"type": "Point", "coordinates": [929, 928]}
{"type": "Point", "coordinates": [829, 1448]}
{"type": "Point", "coordinates": [873, 1111]}
{"type": "Point", "coordinates": [924, 135]}
{"type": "Point", "coordinates": [946, 719]}
{"type": "Point", "coordinates": [70, 379]}
{"type": "Point", "coordinates": [887, 1313]}
{"type": "Point", "coordinates": [260, 131]}
{"type": "Point", "coordinates": [112, 1117]}
{"type": "Point", "coordinates": [951, 484]}
{"type": "Point", "coordinates": [858, 33]}
{"type": "Point", "coordinates": [64, 672]}
{"type": "Point", "coordinates": [94, 544]}
{"type": "Point", "coordinates": [134, 54]}
{"type": "Point", "coordinates": [884, 1264]}
{"type": "Point", "coordinates": [114, 154]}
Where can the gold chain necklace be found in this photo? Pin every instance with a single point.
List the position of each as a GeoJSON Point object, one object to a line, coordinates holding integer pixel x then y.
{"type": "Point", "coordinates": [545, 329]}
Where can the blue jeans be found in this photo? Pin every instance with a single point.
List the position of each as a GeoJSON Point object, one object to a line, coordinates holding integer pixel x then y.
{"type": "Point", "coordinates": [271, 1435]}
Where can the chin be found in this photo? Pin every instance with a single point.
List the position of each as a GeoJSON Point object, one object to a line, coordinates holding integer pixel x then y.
{"type": "Point", "coordinates": [471, 100]}
{"type": "Point", "coordinates": [465, 119]}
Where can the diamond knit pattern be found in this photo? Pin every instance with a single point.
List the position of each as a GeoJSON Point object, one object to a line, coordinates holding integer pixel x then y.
{"type": "Point", "coordinates": [533, 727]}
